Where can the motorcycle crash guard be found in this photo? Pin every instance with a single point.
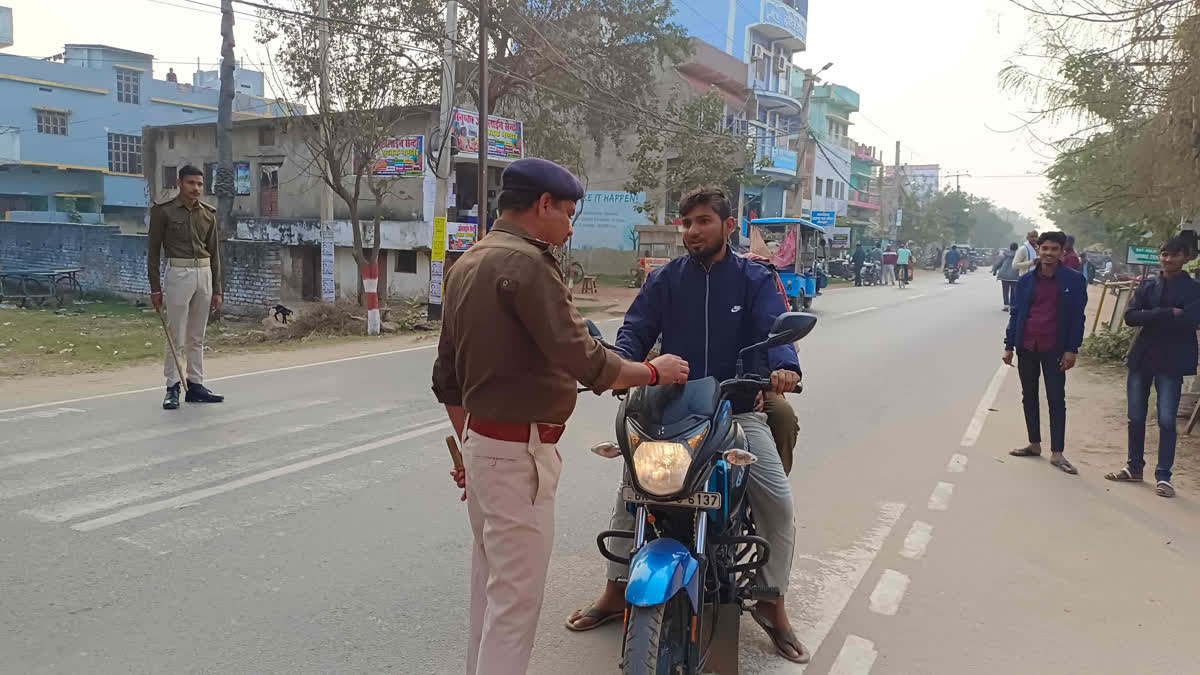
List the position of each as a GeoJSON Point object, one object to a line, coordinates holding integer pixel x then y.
{"type": "Point", "coordinates": [658, 570]}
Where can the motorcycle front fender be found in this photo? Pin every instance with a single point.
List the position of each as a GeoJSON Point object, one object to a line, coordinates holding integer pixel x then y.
{"type": "Point", "coordinates": [658, 570]}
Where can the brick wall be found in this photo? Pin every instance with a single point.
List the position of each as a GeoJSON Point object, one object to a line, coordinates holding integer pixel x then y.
{"type": "Point", "coordinates": [116, 263]}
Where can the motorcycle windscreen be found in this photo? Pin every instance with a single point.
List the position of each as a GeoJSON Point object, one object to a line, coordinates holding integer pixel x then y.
{"type": "Point", "coordinates": [668, 410]}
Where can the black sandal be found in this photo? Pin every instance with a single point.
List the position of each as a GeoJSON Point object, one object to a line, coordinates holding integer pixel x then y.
{"type": "Point", "coordinates": [781, 638]}
{"type": "Point", "coordinates": [1124, 476]}
{"type": "Point", "coordinates": [1064, 466]}
{"type": "Point", "coordinates": [1027, 451]}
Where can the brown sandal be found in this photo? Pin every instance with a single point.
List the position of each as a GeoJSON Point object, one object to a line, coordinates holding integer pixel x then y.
{"type": "Point", "coordinates": [1164, 489]}
{"type": "Point", "coordinates": [781, 638]}
{"type": "Point", "coordinates": [1124, 476]}
{"type": "Point", "coordinates": [1027, 451]}
{"type": "Point", "coordinates": [1064, 466]}
{"type": "Point", "coordinates": [598, 618]}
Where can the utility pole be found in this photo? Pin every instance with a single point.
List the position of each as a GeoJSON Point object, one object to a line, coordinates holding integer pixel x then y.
{"type": "Point", "coordinates": [899, 193]}
{"type": "Point", "coordinates": [956, 176]}
{"type": "Point", "coordinates": [484, 127]}
{"type": "Point", "coordinates": [224, 184]}
{"type": "Point", "coordinates": [444, 166]}
{"type": "Point", "coordinates": [323, 45]}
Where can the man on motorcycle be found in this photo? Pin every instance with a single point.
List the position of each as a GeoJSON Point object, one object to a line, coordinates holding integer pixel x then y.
{"type": "Point", "coordinates": [952, 257]}
{"type": "Point", "coordinates": [707, 306]}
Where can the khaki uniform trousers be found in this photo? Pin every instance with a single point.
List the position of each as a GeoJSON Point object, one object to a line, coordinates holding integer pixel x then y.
{"type": "Point", "coordinates": [187, 299]}
{"type": "Point", "coordinates": [510, 500]}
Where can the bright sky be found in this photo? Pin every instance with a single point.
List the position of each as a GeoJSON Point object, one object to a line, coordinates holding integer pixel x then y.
{"type": "Point", "coordinates": [926, 71]}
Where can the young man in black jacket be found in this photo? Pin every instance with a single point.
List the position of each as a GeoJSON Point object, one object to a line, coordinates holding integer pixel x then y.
{"type": "Point", "coordinates": [1168, 311]}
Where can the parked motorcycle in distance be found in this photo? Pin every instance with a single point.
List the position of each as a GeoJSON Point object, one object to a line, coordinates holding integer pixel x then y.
{"type": "Point", "coordinates": [695, 553]}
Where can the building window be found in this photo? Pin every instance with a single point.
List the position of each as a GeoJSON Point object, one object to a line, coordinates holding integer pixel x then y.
{"type": "Point", "coordinates": [52, 122]}
{"type": "Point", "coordinates": [210, 178]}
{"type": "Point", "coordinates": [170, 177]}
{"type": "Point", "coordinates": [406, 262]}
{"type": "Point", "coordinates": [124, 153]}
{"type": "Point", "coordinates": [820, 186]}
{"type": "Point", "coordinates": [170, 140]}
{"type": "Point", "coordinates": [129, 86]}
{"type": "Point", "coordinates": [266, 135]}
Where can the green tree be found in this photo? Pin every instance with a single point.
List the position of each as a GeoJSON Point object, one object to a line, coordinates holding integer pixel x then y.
{"type": "Point", "coordinates": [700, 151]}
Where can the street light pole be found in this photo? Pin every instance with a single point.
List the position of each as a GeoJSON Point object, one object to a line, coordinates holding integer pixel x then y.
{"type": "Point", "coordinates": [484, 127]}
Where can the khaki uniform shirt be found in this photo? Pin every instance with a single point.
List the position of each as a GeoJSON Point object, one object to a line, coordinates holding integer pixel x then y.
{"type": "Point", "coordinates": [513, 346]}
{"type": "Point", "coordinates": [181, 232]}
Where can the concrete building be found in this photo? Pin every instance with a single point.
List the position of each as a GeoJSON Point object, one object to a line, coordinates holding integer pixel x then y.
{"type": "Point", "coordinates": [920, 180]}
{"type": "Point", "coordinates": [71, 124]}
{"type": "Point", "coordinates": [829, 122]}
{"type": "Point", "coordinates": [866, 180]}
{"type": "Point", "coordinates": [278, 200]}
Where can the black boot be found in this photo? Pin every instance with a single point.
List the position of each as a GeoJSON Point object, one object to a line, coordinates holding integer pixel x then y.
{"type": "Point", "coordinates": [171, 402]}
{"type": "Point", "coordinates": [198, 393]}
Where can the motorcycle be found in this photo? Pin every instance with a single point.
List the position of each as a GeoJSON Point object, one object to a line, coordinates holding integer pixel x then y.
{"type": "Point", "coordinates": [695, 552]}
{"type": "Point", "coordinates": [951, 273]}
{"type": "Point", "coordinates": [872, 273]}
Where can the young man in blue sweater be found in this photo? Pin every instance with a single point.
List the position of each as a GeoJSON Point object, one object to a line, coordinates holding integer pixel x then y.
{"type": "Point", "coordinates": [707, 306]}
{"type": "Point", "coordinates": [1045, 329]}
{"type": "Point", "coordinates": [1168, 311]}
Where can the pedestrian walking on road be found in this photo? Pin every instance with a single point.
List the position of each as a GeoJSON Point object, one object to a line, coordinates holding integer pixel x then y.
{"type": "Point", "coordinates": [857, 260]}
{"type": "Point", "coordinates": [1027, 254]}
{"type": "Point", "coordinates": [1045, 329]}
{"type": "Point", "coordinates": [889, 265]}
{"type": "Point", "coordinates": [185, 228]}
{"type": "Point", "coordinates": [512, 349]}
{"type": "Point", "coordinates": [1167, 309]}
{"type": "Point", "coordinates": [1007, 274]}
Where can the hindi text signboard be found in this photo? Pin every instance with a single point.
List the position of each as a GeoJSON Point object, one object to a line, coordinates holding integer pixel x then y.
{"type": "Point", "coordinates": [401, 157]}
{"type": "Point", "coordinates": [505, 137]}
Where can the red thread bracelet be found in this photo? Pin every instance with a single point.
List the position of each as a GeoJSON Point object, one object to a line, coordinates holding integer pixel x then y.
{"type": "Point", "coordinates": [653, 373]}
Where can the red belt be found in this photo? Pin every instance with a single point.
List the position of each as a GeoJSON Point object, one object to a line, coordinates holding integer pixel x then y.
{"type": "Point", "coordinates": [515, 432]}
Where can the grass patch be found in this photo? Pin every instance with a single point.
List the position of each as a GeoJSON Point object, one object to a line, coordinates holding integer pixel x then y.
{"type": "Point", "coordinates": [93, 336]}
{"type": "Point", "coordinates": [617, 280]}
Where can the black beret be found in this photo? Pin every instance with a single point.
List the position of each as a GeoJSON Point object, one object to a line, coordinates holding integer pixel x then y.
{"type": "Point", "coordinates": [535, 175]}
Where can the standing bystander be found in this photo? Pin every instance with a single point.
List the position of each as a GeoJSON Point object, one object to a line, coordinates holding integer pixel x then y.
{"type": "Point", "coordinates": [1027, 254]}
{"type": "Point", "coordinates": [857, 260]}
{"type": "Point", "coordinates": [889, 265]}
{"type": "Point", "coordinates": [185, 228]}
{"type": "Point", "coordinates": [1007, 274]}
{"type": "Point", "coordinates": [1045, 329]}
{"type": "Point", "coordinates": [1070, 258]}
{"type": "Point", "coordinates": [1168, 311]}
{"type": "Point", "coordinates": [512, 348]}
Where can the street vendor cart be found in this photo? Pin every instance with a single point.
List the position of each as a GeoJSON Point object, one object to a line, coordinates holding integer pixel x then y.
{"type": "Point", "coordinates": [797, 251]}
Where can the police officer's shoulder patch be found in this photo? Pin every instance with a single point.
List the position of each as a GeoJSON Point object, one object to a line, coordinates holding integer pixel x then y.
{"type": "Point", "coordinates": [208, 206]}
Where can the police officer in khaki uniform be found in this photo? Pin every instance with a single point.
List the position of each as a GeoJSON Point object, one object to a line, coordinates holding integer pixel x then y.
{"type": "Point", "coordinates": [185, 228]}
{"type": "Point", "coordinates": [512, 349]}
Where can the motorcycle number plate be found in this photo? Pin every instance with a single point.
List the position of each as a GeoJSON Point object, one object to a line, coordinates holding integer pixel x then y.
{"type": "Point", "coordinates": [696, 500]}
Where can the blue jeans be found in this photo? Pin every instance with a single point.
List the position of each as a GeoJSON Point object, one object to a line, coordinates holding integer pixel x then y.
{"type": "Point", "coordinates": [1138, 391]}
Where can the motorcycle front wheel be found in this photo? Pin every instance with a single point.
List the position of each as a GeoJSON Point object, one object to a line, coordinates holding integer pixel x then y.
{"type": "Point", "coordinates": [657, 638]}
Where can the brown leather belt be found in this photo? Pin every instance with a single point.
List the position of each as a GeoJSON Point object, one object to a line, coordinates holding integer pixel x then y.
{"type": "Point", "coordinates": [515, 432]}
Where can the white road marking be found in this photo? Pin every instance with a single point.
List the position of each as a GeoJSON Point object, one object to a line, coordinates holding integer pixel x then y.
{"type": "Point", "coordinates": [87, 505]}
{"type": "Point", "coordinates": [888, 593]}
{"type": "Point", "coordinates": [856, 658]}
{"type": "Point", "coordinates": [914, 297]}
{"type": "Point", "coordinates": [825, 592]}
{"type": "Point", "coordinates": [939, 500]}
{"type": "Point", "coordinates": [197, 495]}
{"type": "Point", "coordinates": [231, 377]}
{"type": "Point", "coordinates": [42, 414]}
{"type": "Point", "coordinates": [957, 463]}
{"type": "Point", "coordinates": [917, 541]}
{"type": "Point", "coordinates": [163, 431]}
{"type": "Point", "coordinates": [859, 311]}
{"type": "Point", "coordinates": [975, 427]}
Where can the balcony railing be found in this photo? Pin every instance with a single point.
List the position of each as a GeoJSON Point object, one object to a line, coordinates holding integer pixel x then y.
{"type": "Point", "coordinates": [864, 200]}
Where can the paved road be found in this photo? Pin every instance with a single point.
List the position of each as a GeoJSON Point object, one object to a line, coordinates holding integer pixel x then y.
{"type": "Point", "coordinates": [307, 526]}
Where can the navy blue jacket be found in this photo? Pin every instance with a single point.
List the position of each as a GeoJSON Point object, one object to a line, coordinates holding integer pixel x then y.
{"type": "Point", "coordinates": [706, 316]}
{"type": "Point", "coordinates": [1166, 345]}
{"type": "Point", "coordinates": [1072, 298]}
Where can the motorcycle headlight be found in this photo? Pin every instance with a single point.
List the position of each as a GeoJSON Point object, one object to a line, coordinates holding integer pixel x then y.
{"type": "Point", "coordinates": [661, 467]}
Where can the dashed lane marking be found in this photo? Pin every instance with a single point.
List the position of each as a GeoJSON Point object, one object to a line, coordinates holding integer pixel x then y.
{"type": "Point", "coordinates": [957, 463]}
{"type": "Point", "coordinates": [939, 500]}
{"type": "Point", "coordinates": [859, 311]}
{"type": "Point", "coordinates": [856, 658]}
{"type": "Point", "coordinates": [975, 426]}
{"type": "Point", "coordinates": [917, 541]}
{"type": "Point", "coordinates": [888, 593]}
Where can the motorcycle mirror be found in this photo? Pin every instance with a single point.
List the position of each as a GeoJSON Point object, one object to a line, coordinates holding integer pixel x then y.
{"type": "Point", "coordinates": [790, 327]}
{"type": "Point", "coordinates": [593, 330]}
{"type": "Point", "coordinates": [607, 449]}
{"type": "Point", "coordinates": [739, 457]}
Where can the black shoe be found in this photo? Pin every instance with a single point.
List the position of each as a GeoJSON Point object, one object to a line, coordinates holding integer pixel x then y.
{"type": "Point", "coordinates": [171, 402]}
{"type": "Point", "coordinates": [198, 393]}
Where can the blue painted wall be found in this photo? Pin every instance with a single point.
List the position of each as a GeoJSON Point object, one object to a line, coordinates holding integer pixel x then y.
{"type": "Point", "coordinates": [92, 115]}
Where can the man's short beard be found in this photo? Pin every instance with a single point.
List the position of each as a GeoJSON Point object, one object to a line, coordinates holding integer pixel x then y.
{"type": "Point", "coordinates": [706, 255]}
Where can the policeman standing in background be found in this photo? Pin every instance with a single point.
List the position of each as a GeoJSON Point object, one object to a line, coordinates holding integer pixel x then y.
{"type": "Point", "coordinates": [512, 349]}
{"type": "Point", "coordinates": [186, 229]}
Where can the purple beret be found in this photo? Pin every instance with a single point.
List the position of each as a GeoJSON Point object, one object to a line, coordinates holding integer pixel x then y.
{"type": "Point", "coordinates": [541, 175]}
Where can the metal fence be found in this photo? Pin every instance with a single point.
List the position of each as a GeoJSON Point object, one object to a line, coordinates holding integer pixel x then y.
{"type": "Point", "coordinates": [1122, 292]}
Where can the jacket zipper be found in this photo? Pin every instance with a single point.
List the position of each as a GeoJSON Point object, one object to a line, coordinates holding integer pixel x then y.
{"type": "Point", "coordinates": [707, 279]}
